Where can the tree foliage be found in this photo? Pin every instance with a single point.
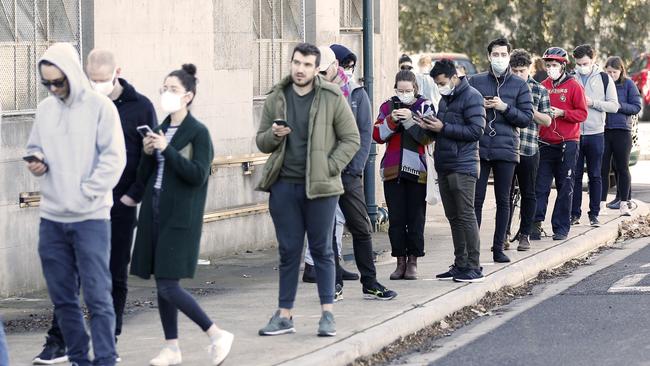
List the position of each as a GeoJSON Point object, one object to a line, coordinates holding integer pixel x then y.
{"type": "Point", "coordinates": [614, 27]}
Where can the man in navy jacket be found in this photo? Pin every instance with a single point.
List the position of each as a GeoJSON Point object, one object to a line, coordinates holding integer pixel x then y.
{"type": "Point", "coordinates": [509, 106]}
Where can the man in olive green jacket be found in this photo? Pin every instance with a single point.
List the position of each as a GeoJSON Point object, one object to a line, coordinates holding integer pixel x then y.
{"type": "Point", "coordinates": [310, 132]}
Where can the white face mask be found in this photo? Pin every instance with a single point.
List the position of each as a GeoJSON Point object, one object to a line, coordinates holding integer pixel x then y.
{"type": "Point", "coordinates": [406, 98]}
{"type": "Point", "coordinates": [349, 74]}
{"type": "Point", "coordinates": [500, 64]}
{"type": "Point", "coordinates": [583, 70]}
{"type": "Point", "coordinates": [446, 89]}
{"type": "Point", "coordinates": [554, 72]}
{"type": "Point", "coordinates": [106, 87]}
{"type": "Point", "coordinates": [171, 102]}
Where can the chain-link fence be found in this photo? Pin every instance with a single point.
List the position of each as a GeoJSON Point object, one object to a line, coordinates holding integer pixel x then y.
{"type": "Point", "coordinates": [279, 27]}
{"type": "Point", "coordinates": [27, 28]}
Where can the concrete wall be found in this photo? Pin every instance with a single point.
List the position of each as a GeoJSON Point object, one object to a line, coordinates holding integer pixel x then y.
{"type": "Point", "coordinates": [151, 39]}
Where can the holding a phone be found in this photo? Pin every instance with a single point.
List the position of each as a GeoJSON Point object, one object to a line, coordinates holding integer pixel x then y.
{"type": "Point", "coordinates": [36, 164]}
{"type": "Point", "coordinates": [144, 130]}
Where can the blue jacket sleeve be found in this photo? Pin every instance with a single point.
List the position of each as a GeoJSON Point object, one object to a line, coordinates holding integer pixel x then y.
{"type": "Point", "coordinates": [473, 122]}
{"type": "Point", "coordinates": [632, 105]}
{"type": "Point", "coordinates": [364, 124]}
{"type": "Point", "coordinates": [521, 114]}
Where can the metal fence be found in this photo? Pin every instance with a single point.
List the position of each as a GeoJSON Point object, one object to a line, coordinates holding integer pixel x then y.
{"type": "Point", "coordinates": [351, 15]}
{"type": "Point", "coordinates": [279, 26]}
{"type": "Point", "coordinates": [27, 28]}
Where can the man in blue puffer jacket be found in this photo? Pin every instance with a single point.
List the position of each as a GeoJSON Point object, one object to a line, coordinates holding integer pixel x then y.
{"type": "Point", "coordinates": [509, 106]}
{"type": "Point", "coordinates": [458, 127]}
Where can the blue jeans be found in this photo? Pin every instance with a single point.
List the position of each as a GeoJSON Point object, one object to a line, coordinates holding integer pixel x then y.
{"type": "Point", "coordinates": [75, 255]}
{"type": "Point", "coordinates": [556, 161]}
{"type": "Point", "coordinates": [4, 351]}
{"type": "Point", "coordinates": [294, 215]}
{"type": "Point", "coordinates": [591, 150]}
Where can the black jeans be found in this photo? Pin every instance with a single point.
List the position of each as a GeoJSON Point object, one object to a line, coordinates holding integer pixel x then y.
{"type": "Point", "coordinates": [457, 193]}
{"type": "Point", "coordinates": [172, 298]}
{"type": "Point", "coordinates": [353, 206]}
{"type": "Point", "coordinates": [123, 220]}
{"type": "Point", "coordinates": [406, 216]}
{"type": "Point", "coordinates": [591, 151]}
{"type": "Point", "coordinates": [618, 144]}
{"type": "Point", "coordinates": [503, 173]}
{"type": "Point", "coordinates": [526, 173]}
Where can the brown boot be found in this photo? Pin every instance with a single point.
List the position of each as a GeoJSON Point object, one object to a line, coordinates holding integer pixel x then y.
{"type": "Point", "coordinates": [411, 268]}
{"type": "Point", "coordinates": [399, 271]}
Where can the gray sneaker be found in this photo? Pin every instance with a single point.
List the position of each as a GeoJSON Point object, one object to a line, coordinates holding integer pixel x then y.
{"type": "Point", "coordinates": [327, 325]}
{"type": "Point", "coordinates": [278, 325]}
{"type": "Point", "coordinates": [524, 243]}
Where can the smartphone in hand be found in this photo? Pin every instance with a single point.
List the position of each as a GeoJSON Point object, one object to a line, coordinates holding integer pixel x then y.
{"type": "Point", "coordinates": [280, 122]}
{"type": "Point", "coordinates": [397, 105]}
{"type": "Point", "coordinates": [144, 130]}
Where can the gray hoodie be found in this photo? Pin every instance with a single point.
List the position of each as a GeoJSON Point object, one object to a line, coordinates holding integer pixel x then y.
{"type": "Point", "coordinates": [82, 143]}
{"type": "Point", "coordinates": [604, 101]}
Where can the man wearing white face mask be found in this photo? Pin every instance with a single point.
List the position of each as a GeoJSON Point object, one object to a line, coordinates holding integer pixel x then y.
{"type": "Point", "coordinates": [600, 92]}
{"type": "Point", "coordinates": [134, 109]}
{"type": "Point", "coordinates": [509, 106]}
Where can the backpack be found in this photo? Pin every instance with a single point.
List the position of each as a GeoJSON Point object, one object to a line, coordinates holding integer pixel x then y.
{"type": "Point", "coordinates": [605, 77]}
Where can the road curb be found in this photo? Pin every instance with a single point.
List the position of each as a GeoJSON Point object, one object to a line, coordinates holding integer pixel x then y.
{"type": "Point", "coordinates": [373, 339]}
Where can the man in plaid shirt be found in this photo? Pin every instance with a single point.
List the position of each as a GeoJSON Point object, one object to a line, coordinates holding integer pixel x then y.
{"type": "Point", "coordinates": [526, 170]}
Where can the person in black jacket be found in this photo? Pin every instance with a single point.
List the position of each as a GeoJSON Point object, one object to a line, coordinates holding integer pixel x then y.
{"type": "Point", "coordinates": [134, 109]}
{"type": "Point", "coordinates": [458, 127]}
{"type": "Point", "coordinates": [509, 106]}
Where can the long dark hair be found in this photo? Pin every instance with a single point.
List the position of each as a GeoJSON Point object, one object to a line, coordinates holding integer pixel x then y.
{"type": "Point", "coordinates": [616, 62]}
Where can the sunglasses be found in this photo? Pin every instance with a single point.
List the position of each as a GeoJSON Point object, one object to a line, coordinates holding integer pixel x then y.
{"type": "Point", "coordinates": [323, 73]}
{"type": "Point", "coordinates": [406, 67]}
{"type": "Point", "coordinates": [54, 83]}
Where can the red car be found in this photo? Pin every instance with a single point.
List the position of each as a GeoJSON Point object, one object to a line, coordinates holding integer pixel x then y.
{"type": "Point", "coordinates": [639, 71]}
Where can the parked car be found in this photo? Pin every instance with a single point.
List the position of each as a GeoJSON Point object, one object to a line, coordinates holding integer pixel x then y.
{"type": "Point", "coordinates": [460, 59]}
{"type": "Point", "coordinates": [639, 71]}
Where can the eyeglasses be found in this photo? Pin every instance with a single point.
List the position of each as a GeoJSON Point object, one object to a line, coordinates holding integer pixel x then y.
{"type": "Point", "coordinates": [59, 83]}
{"type": "Point", "coordinates": [349, 68]}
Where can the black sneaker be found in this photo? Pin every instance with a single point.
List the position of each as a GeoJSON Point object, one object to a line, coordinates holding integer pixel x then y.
{"type": "Point", "coordinates": [349, 276]}
{"type": "Point", "coordinates": [309, 275]}
{"type": "Point", "coordinates": [449, 275]}
{"type": "Point", "coordinates": [614, 204]}
{"type": "Point", "coordinates": [575, 220]}
{"type": "Point", "coordinates": [338, 293]}
{"type": "Point", "coordinates": [52, 353]}
{"type": "Point", "coordinates": [499, 256]}
{"type": "Point", "coordinates": [536, 232]}
{"type": "Point", "coordinates": [378, 292]}
{"type": "Point", "coordinates": [470, 275]}
{"type": "Point", "coordinates": [559, 236]}
{"type": "Point", "coordinates": [593, 221]}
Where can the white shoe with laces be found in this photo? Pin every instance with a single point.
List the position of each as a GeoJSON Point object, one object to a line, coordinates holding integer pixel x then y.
{"type": "Point", "coordinates": [625, 209]}
{"type": "Point", "coordinates": [220, 347]}
{"type": "Point", "coordinates": [167, 357]}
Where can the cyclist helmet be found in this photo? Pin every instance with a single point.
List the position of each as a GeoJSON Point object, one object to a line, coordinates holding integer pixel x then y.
{"type": "Point", "coordinates": [557, 54]}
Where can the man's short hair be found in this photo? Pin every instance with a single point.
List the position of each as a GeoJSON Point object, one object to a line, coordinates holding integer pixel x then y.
{"type": "Point", "coordinates": [99, 58]}
{"type": "Point", "coordinates": [583, 50]}
{"type": "Point", "coordinates": [307, 49]}
{"type": "Point", "coordinates": [501, 41]}
{"type": "Point", "coordinates": [443, 67]}
{"type": "Point", "coordinates": [520, 57]}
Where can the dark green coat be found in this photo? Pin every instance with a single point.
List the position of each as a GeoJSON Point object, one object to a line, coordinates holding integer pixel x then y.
{"type": "Point", "coordinates": [182, 204]}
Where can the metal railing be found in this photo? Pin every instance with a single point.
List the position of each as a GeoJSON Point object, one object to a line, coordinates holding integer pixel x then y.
{"type": "Point", "coordinates": [279, 27]}
{"type": "Point", "coordinates": [27, 29]}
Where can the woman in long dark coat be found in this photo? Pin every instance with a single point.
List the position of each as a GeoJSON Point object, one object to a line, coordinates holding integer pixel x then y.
{"type": "Point", "coordinates": [175, 168]}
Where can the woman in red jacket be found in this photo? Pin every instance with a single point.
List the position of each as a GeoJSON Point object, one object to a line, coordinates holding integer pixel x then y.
{"type": "Point", "coordinates": [404, 171]}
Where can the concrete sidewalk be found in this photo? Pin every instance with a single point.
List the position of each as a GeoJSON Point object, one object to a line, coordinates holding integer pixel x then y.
{"type": "Point", "coordinates": [241, 295]}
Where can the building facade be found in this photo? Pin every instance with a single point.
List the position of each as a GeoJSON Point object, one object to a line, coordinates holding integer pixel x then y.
{"type": "Point", "coordinates": [240, 48]}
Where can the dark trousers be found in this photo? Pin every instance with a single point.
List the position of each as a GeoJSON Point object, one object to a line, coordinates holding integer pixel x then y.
{"type": "Point", "coordinates": [74, 257]}
{"type": "Point", "coordinates": [294, 214]}
{"type": "Point", "coordinates": [457, 193]}
{"type": "Point", "coordinates": [406, 216]}
{"type": "Point", "coordinates": [353, 206]}
{"type": "Point", "coordinates": [591, 151]}
{"type": "Point", "coordinates": [556, 161]}
{"type": "Point", "coordinates": [503, 173]}
{"type": "Point", "coordinates": [172, 298]}
{"type": "Point", "coordinates": [526, 173]}
{"type": "Point", "coordinates": [123, 220]}
{"type": "Point", "coordinates": [618, 145]}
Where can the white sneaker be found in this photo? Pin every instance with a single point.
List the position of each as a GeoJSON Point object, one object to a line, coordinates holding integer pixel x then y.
{"type": "Point", "coordinates": [625, 209]}
{"type": "Point", "coordinates": [220, 348]}
{"type": "Point", "coordinates": [167, 357]}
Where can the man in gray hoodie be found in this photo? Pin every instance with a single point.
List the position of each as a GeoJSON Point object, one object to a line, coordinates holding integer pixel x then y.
{"type": "Point", "coordinates": [76, 148]}
{"type": "Point", "coordinates": [601, 96]}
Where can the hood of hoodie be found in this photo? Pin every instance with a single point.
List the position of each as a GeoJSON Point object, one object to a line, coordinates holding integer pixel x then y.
{"type": "Point", "coordinates": [65, 57]}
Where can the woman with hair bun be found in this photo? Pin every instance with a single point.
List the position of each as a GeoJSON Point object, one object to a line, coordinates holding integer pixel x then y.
{"type": "Point", "coordinates": [174, 169]}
